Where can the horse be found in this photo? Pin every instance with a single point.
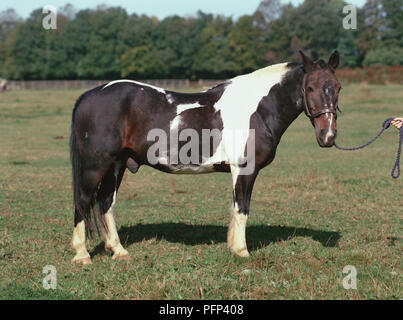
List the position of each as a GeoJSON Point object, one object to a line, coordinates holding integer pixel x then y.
{"type": "Point", "coordinates": [125, 124]}
{"type": "Point", "coordinates": [3, 85]}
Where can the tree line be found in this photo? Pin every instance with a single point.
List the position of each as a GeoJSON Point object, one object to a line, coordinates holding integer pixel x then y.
{"type": "Point", "coordinates": [108, 43]}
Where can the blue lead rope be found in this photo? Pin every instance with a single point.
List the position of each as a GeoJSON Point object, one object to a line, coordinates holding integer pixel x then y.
{"type": "Point", "coordinates": [386, 125]}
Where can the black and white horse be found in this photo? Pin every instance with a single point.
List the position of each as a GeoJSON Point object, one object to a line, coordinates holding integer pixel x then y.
{"type": "Point", "coordinates": [234, 127]}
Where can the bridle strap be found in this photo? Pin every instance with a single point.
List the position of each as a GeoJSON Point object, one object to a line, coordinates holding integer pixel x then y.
{"type": "Point", "coordinates": [307, 110]}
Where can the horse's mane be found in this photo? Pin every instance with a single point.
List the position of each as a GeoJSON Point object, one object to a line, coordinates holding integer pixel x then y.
{"type": "Point", "coordinates": [321, 63]}
{"type": "Point", "coordinates": [293, 65]}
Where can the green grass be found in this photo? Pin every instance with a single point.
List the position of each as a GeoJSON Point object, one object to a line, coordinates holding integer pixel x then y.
{"type": "Point", "coordinates": [313, 212]}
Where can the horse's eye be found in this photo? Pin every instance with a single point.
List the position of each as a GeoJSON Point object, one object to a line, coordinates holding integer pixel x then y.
{"type": "Point", "coordinates": [310, 89]}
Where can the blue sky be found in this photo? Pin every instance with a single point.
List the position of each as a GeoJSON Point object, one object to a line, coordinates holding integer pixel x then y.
{"type": "Point", "coordinates": [159, 8]}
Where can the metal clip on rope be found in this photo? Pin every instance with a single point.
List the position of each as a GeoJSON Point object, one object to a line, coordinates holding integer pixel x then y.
{"type": "Point", "coordinates": [386, 125]}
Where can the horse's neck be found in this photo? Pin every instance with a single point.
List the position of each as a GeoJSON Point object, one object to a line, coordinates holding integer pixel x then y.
{"type": "Point", "coordinates": [291, 89]}
{"type": "Point", "coordinates": [286, 104]}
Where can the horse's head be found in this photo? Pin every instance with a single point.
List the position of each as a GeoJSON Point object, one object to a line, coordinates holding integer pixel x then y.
{"type": "Point", "coordinates": [320, 90]}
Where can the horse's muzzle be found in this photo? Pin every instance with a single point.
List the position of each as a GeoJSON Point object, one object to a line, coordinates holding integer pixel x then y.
{"type": "Point", "coordinates": [327, 139]}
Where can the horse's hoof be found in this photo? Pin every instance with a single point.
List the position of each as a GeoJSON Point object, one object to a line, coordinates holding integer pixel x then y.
{"type": "Point", "coordinates": [83, 261]}
{"type": "Point", "coordinates": [243, 253]}
{"type": "Point", "coordinates": [125, 257]}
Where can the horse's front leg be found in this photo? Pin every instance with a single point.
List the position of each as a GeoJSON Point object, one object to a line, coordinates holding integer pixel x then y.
{"type": "Point", "coordinates": [242, 191]}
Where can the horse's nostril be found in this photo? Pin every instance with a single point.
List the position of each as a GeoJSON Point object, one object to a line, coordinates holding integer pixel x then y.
{"type": "Point", "coordinates": [322, 134]}
{"type": "Point", "coordinates": [327, 136]}
{"type": "Point", "coordinates": [331, 139]}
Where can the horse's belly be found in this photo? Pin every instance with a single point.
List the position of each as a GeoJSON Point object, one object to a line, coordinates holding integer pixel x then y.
{"type": "Point", "coordinates": [191, 169]}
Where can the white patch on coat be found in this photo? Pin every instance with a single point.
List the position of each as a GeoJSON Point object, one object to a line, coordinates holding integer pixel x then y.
{"type": "Point", "coordinates": [235, 170]}
{"type": "Point", "coordinates": [176, 123]}
{"type": "Point", "coordinates": [170, 98]}
{"type": "Point", "coordinates": [183, 107]}
{"type": "Point", "coordinates": [239, 101]}
{"type": "Point", "coordinates": [237, 104]}
{"type": "Point", "coordinates": [135, 82]}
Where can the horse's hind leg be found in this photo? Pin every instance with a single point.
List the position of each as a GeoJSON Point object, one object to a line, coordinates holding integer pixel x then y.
{"type": "Point", "coordinates": [78, 244]}
{"type": "Point", "coordinates": [106, 200]}
{"type": "Point", "coordinates": [84, 200]}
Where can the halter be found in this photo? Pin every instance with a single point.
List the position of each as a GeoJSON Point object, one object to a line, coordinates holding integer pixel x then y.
{"type": "Point", "coordinates": [307, 109]}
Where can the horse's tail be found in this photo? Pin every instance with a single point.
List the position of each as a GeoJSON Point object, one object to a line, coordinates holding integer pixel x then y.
{"type": "Point", "coordinates": [83, 203]}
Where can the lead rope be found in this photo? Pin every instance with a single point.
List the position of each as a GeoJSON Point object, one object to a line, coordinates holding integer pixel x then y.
{"type": "Point", "coordinates": [386, 125]}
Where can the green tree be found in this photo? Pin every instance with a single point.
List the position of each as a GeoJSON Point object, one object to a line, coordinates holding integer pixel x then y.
{"type": "Point", "coordinates": [101, 48]}
{"type": "Point", "coordinates": [31, 49]}
{"type": "Point", "coordinates": [9, 22]}
{"type": "Point", "coordinates": [145, 62]}
{"type": "Point", "coordinates": [245, 45]}
{"type": "Point", "coordinates": [317, 25]}
{"type": "Point", "coordinates": [384, 56]}
{"type": "Point", "coordinates": [107, 43]}
{"type": "Point", "coordinates": [63, 55]}
{"type": "Point", "coordinates": [380, 37]}
{"type": "Point", "coordinates": [279, 42]}
{"type": "Point", "coordinates": [314, 26]}
{"type": "Point", "coordinates": [348, 49]}
{"type": "Point", "coordinates": [393, 17]}
{"type": "Point", "coordinates": [213, 59]}
{"type": "Point", "coordinates": [370, 24]}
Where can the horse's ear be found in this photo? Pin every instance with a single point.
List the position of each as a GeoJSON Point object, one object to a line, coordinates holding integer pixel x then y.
{"type": "Point", "coordinates": [334, 60]}
{"type": "Point", "coordinates": [307, 62]}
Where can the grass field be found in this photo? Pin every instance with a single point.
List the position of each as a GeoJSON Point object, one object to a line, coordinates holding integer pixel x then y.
{"type": "Point", "coordinates": [313, 212]}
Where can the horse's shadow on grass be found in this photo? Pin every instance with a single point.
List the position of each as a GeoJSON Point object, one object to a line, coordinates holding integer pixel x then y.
{"type": "Point", "coordinates": [257, 236]}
